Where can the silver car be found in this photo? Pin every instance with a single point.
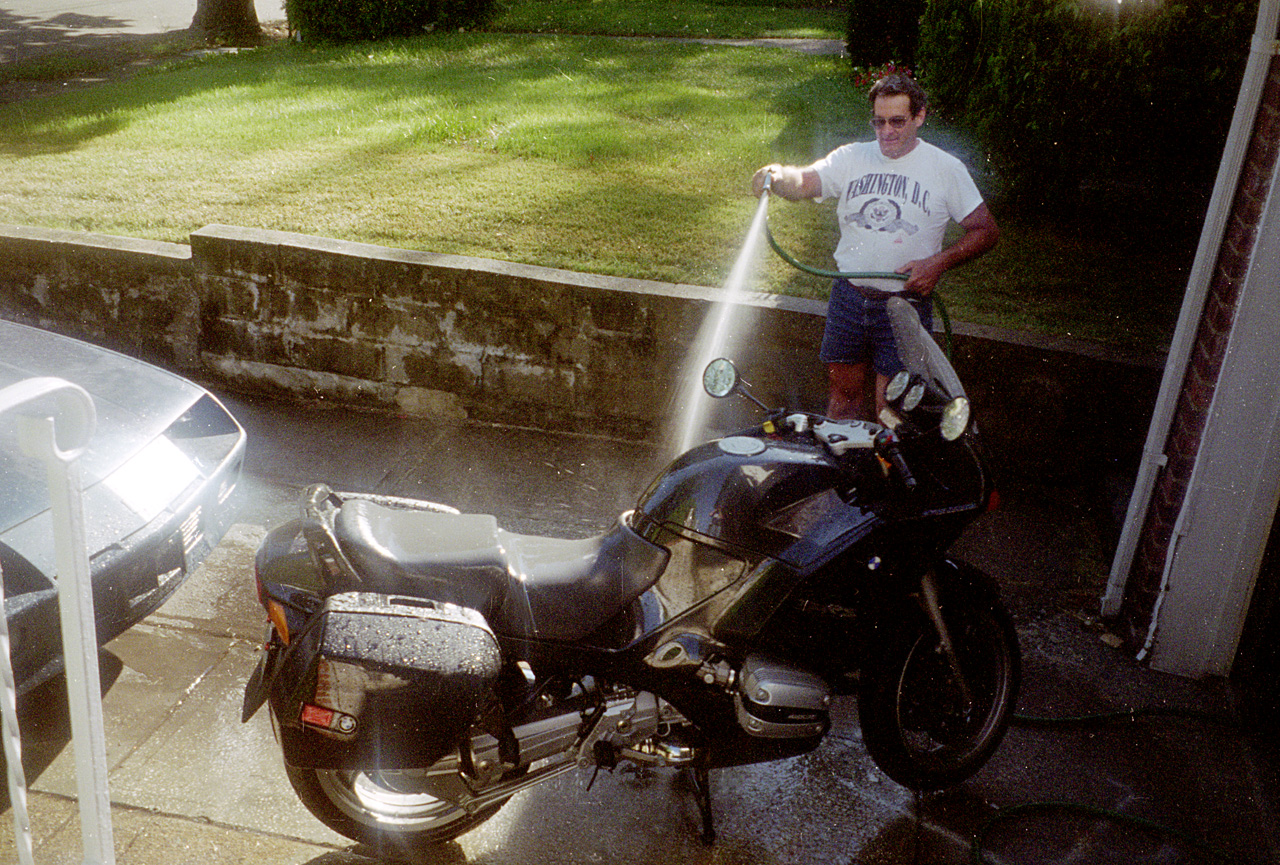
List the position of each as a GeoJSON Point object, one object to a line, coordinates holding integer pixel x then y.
{"type": "Point", "coordinates": [158, 478]}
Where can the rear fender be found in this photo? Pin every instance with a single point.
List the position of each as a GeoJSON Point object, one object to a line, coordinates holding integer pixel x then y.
{"type": "Point", "coordinates": [258, 688]}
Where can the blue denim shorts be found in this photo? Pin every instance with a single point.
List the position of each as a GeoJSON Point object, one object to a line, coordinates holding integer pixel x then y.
{"type": "Point", "coordinates": [858, 328]}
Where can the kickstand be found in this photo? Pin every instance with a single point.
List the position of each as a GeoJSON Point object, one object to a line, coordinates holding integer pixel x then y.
{"type": "Point", "coordinates": [702, 793]}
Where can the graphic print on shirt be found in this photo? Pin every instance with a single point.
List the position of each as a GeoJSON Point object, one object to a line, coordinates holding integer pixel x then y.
{"type": "Point", "coordinates": [881, 214]}
{"type": "Point", "coordinates": [882, 211]}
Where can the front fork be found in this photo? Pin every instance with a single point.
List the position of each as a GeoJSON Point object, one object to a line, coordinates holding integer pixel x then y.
{"type": "Point", "coordinates": [929, 601]}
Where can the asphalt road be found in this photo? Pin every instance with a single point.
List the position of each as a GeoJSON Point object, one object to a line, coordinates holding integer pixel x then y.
{"type": "Point", "coordinates": [104, 17]}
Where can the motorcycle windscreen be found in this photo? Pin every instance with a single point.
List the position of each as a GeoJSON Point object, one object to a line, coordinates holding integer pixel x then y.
{"type": "Point", "coordinates": [918, 351]}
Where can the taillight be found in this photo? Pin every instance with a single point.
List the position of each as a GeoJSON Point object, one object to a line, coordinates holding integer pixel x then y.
{"type": "Point", "coordinates": [328, 720]}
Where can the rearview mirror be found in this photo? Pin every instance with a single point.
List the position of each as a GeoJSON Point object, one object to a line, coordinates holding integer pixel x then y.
{"type": "Point", "coordinates": [720, 378]}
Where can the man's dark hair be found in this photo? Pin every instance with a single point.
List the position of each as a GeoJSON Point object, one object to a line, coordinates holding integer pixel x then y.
{"type": "Point", "coordinates": [897, 83]}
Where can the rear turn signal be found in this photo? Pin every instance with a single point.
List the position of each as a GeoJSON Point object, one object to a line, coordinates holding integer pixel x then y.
{"type": "Point", "coordinates": [275, 614]}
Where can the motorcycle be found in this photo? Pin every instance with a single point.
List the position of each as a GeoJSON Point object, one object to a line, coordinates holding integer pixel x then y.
{"type": "Point", "coordinates": [422, 666]}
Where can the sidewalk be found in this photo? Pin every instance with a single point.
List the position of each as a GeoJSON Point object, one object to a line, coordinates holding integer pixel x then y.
{"type": "Point", "coordinates": [72, 18]}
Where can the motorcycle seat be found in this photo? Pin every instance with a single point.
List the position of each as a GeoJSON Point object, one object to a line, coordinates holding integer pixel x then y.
{"type": "Point", "coordinates": [525, 585]}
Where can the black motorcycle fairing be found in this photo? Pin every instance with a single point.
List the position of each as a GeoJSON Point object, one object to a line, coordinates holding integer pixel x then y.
{"type": "Point", "coordinates": [525, 585]}
{"type": "Point", "coordinates": [727, 493]}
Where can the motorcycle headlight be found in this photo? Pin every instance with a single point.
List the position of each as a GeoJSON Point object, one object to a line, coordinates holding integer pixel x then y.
{"type": "Point", "coordinates": [955, 419]}
{"type": "Point", "coordinates": [913, 396]}
{"type": "Point", "coordinates": [897, 386]}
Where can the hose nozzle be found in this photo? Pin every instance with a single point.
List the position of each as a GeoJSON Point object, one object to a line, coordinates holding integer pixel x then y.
{"type": "Point", "coordinates": [768, 183]}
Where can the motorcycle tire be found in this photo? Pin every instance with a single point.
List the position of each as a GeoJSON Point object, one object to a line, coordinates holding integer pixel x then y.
{"type": "Point", "coordinates": [917, 724]}
{"type": "Point", "coordinates": [389, 812]}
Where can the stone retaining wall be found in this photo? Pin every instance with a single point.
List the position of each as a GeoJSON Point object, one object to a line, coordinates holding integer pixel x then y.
{"type": "Point", "coordinates": [458, 337]}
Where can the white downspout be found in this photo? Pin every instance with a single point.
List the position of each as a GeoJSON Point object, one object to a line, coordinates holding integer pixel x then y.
{"type": "Point", "coordinates": [1262, 49]}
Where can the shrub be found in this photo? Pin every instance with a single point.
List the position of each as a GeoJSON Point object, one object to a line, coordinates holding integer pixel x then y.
{"type": "Point", "coordinates": [360, 20]}
{"type": "Point", "coordinates": [883, 31]}
{"type": "Point", "coordinates": [1081, 108]}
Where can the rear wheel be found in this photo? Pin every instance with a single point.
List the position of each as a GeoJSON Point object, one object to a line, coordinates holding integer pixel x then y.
{"type": "Point", "coordinates": [926, 724]}
{"type": "Point", "coordinates": [392, 812]}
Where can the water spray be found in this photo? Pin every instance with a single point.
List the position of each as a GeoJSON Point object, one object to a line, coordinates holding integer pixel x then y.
{"type": "Point", "coordinates": [716, 335]}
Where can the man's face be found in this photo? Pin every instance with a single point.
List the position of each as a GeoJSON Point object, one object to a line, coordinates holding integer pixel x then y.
{"type": "Point", "coordinates": [895, 127]}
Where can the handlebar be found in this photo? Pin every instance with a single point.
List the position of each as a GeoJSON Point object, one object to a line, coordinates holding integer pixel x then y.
{"type": "Point", "coordinates": [888, 445]}
{"type": "Point", "coordinates": [840, 437]}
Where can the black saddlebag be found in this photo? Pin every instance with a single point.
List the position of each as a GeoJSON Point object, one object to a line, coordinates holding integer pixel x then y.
{"type": "Point", "coordinates": [383, 681]}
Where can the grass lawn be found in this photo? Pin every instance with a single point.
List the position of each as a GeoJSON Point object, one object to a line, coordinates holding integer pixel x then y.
{"type": "Point", "coordinates": [588, 153]}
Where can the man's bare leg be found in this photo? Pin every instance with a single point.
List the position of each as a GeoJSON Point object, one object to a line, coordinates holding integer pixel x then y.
{"type": "Point", "coordinates": [847, 396]}
{"type": "Point", "coordinates": [882, 382]}
{"type": "Point", "coordinates": [847, 391]}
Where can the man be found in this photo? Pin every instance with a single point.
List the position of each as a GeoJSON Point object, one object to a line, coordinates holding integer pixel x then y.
{"type": "Point", "coordinates": [896, 198]}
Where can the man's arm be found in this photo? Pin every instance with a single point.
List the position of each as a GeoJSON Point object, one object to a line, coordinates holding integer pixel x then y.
{"type": "Point", "coordinates": [790, 181]}
{"type": "Point", "coordinates": [980, 234]}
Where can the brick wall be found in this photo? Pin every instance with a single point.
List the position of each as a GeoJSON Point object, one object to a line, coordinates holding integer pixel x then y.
{"type": "Point", "coordinates": [1192, 410]}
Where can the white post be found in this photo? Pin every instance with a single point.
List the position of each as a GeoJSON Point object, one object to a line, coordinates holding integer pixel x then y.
{"type": "Point", "coordinates": [58, 441]}
{"type": "Point", "coordinates": [13, 743]}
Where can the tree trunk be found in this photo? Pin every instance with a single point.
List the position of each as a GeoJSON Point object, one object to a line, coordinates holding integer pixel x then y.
{"type": "Point", "coordinates": [227, 21]}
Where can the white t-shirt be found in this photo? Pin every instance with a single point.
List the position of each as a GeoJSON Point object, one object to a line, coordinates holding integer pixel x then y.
{"type": "Point", "coordinates": [892, 211]}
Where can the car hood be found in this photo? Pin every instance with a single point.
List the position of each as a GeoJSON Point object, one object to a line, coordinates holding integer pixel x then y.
{"type": "Point", "coordinates": [134, 465]}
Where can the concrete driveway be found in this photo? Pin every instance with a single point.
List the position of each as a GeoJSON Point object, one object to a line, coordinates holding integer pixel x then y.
{"type": "Point", "coordinates": [106, 17]}
{"type": "Point", "coordinates": [31, 28]}
{"type": "Point", "coordinates": [190, 783]}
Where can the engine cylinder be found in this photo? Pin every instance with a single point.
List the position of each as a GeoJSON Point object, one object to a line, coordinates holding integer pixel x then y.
{"type": "Point", "coordinates": [780, 701]}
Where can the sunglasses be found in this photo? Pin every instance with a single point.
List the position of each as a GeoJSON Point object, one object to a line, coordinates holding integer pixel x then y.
{"type": "Point", "coordinates": [895, 122]}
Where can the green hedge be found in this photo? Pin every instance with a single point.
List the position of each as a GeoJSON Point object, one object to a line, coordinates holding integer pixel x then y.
{"type": "Point", "coordinates": [360, 20]}
{"type": "Point", "coordinates": [1085, 110]}
{"type": "Point", "coordinates": [883, 31]}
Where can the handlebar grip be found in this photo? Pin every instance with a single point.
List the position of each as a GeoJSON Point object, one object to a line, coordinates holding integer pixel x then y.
{"type": "Point", "coordinates": [904, 472]}
{"type": "Point", "coordinates": [887, 444]}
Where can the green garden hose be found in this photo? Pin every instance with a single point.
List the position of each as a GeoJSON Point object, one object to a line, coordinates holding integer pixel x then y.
{"type": "Point", "coordinates": [1014, 812]}
{"type": "Point", "coordinates": [835, 274]}
{"type": "Point", "coordinates": [1119, 715]}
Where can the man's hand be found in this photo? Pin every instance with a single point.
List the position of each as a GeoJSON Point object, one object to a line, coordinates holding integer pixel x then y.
{"type": "Point", "coordinates": [789, 181]}
{"type": "Point", "coordinates": [980, 234]}
{"type": "Point", "coordinates": [924, 274]}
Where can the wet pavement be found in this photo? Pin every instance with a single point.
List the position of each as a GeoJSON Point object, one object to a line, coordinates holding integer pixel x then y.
{"type": "Point", "coordinates": [190, 783]}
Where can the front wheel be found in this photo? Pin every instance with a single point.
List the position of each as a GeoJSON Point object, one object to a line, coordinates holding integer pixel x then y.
{"type": "Point", "coordinates": [931, 718]}
{"type": "Point", "coordinates": [392, 812]}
